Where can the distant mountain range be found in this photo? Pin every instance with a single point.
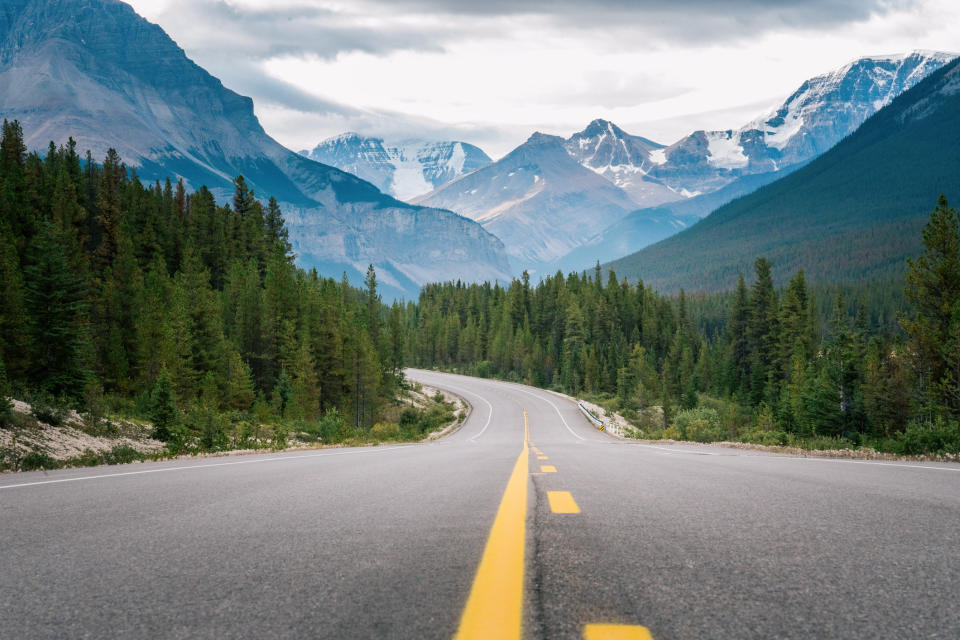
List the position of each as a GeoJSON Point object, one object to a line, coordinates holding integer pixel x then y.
{"type": "Point", "coordinates": [95, 70]}
{"type": "Point", "coordinates": [570, 222]}
{"type": "Point", "coordinates": [854, 212]}
{"type": "Point", "coordinates": [538, 199]}
{"type": "Point", "coordinates": [405, 169]}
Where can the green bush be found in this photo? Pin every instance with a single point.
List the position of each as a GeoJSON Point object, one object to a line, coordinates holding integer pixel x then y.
{"type": "Point", "coordinates": [48, 409]}
{"type": "Point", "coordinates": [35, 460]}
{"type": "Point", "coordinates": [700, 424]}
{"type": "Point", "coordinates": [385, 430]}
{"type": "Point", "coordinates": [938, 436]}
{"type": "Point", "coordinates": [768, 438]}
{"type": "Point", "coordinates": [122, 454]}
{"type": "Point", "coordinates": [331, 427]}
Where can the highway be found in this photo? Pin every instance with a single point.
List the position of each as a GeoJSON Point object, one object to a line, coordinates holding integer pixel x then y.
{"type": "Point", "coordinates": [526, 522]}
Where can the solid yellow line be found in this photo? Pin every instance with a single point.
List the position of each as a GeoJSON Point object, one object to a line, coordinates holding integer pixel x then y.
{"type": "Point", "coordinates": [495, 606]}
{"type": "Point", "coordinates": [547, 468]}
{"type": "Point", "coordinates": [616, 632]}
{"type": "Point", "coordinates": [562, 502]}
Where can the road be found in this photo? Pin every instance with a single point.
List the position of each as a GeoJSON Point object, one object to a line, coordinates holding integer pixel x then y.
{"type": "Point", "coordinates": [465, 535]}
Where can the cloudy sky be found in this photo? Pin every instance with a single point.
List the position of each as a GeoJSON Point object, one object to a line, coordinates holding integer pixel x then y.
{"type": "Point", "coordinates": [492, 71]}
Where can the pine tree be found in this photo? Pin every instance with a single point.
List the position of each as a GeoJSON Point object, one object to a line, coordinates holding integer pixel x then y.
{"type": "Point", "coordinates": [163, 407]}
{"type": "Point", "coordinates": [933, 288]}
{"type": "Point", "coordinates": [277, 234]}
{"type": "Point", "coordinates": [56, 309]}
{"type": "Point", "coordinates": [762, 331]}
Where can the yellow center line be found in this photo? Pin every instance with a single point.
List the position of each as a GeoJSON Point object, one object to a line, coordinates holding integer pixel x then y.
{"type": "Point", "coordinates": [547, 468]}
{"type": "Point", "coordinates": [542, 458]}
{"type": "Point", "coordinates": [495, 605]}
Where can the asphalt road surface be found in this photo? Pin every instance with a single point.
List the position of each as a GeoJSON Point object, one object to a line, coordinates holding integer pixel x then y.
{"type": "Point", "coordinates": [526, 522]}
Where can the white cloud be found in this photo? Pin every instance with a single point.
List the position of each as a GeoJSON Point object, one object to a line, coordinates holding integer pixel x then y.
{"type": "Point", "coordinates": [493, 75]}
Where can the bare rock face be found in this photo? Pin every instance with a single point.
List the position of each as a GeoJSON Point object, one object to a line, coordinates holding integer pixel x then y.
{"type": "Point", "coordinates": [97, 71]}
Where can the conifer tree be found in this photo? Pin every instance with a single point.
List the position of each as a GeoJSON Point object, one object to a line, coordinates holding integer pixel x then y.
{"type": "Point", "coordinates": [56, 311]}
{"type": "Point", "coordinates": [163, 406]}
{"type": "Point", "coordinates": [933, 287]}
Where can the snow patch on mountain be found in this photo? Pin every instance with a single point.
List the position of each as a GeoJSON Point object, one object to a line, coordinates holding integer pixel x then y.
{"type": "Point", "coordinates": [404, 169]}
{"type": "Point", "coordinates": [725, 150]}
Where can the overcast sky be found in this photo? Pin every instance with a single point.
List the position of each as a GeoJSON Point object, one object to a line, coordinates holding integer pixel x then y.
{"type": "Point", "coordinates": [491, 72]}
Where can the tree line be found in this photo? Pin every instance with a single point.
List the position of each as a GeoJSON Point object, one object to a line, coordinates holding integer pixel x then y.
{"type": "Point", "coordinates": [759, 363]}
{"type": "Point", "coordinates": [152, 301]}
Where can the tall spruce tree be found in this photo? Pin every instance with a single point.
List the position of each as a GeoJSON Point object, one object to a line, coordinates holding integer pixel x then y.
{"type": "Point", "coordinates": [933, 287]}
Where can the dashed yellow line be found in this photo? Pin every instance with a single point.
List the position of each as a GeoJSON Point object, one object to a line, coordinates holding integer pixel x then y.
{"type": "Point", "coordinates": [616, 632]}
{"type": "Point", "coordinates": [542, 458]}
{"type": "Point", "coordinates": [547, 468]}
{"type": "Point", "coordinates": [562, 502]}
{"type": "Point", "coordinates": [495, 606]}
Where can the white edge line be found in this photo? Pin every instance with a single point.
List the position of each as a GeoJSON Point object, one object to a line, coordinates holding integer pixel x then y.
{"type": "Point", "coordinates": [878, 463]}
{"type": "Point", "coordinates": [197, 466]}
{"type": "Point", "coordinates": [699, 453]}
{"type": "Point", "coordinates": [516, 387]}
{"type": "Point", "coordinates": [555, 408]}
{"type": "Point", "coordinates": [476, 395]}
{"type": "Point", "coordinates": [782, 456]}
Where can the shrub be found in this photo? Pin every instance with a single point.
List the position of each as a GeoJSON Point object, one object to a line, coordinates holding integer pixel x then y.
{"type": "Point", "coordinates": [671, 433]}
{"type": "Point", "coordinates": [385, 430]}
{"type": "Point", "coordinates": [122, 454]}
{"type": "Point", "coordinates": [768, 438]}
{"type": "Point", "coordinates": [331, 427]}
{"type": "Point", "coordinates": [700, 424]}
{"type": "Point", "coordinates": [35, 460]}
{"type": "Point", "coordinates": [938, 436]}
{"type": "Point", "coordinates": [48, 409]}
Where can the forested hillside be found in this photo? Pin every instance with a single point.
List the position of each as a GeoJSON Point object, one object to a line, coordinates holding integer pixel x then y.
{"type": "Point", "coordinates": [153, 302]}
{"type": "Point", "coordinates": [853, 213]}
{"type": "Point", "coordinates": [759, 364]}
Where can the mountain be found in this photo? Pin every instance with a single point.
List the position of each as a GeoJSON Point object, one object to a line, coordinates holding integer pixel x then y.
{"type": "Point", "coordinates": [623, 159]}
{"type": "Point", "coordinates": [95, 70]}
{"type": "Point", "coordinates": [820, 113]}
{"type": "Point", "coordinates": [538, 199]}
{"type": "Point", "coordinates": [404, 170]}
{"type": "Point", "coordinates": [711, 168]}
{"type": "Point", "coordinates": [855, 212]}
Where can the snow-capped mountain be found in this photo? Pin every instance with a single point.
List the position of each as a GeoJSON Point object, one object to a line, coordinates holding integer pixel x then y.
{"type": "Point", "coordinates": [820, 113]}
{"type": "Point", "coordinates": [623, 159]}
{"type": "Point", "coordinates": [97, 71]}
{"type": "Point", "coordinates": [405, 170]}
{"type": "Point", "coordinates": [539, 200]}
{"type": "Point", "coordinates": [854, 213]}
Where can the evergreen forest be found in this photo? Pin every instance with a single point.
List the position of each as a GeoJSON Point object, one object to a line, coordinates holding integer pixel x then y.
{"type": "Point", "coordinates": [875, 363]}
{"type": "Point", "coordinates": [149, 302]}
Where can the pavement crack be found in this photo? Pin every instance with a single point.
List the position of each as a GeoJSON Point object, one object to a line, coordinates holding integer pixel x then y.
{"type": "Point", "coordinates": [536, 618]}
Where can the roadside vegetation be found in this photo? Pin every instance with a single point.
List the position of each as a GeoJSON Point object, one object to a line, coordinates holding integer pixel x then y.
{"type": "Point", "coordinates": [50, 435]}
{"type": "Point", "coordinates": [877, 370]}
